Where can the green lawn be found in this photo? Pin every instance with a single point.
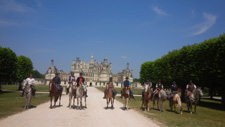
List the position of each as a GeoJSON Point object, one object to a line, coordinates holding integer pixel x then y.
{"type": "Point", "coordinates": [39, 88]}
{"type": "Point", "coordinates": [209, 114]}
{"type": "Point", "coordinates": [11, 102]}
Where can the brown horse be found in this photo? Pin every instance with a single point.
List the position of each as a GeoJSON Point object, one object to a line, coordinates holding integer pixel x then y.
{"type": "Point", "coordinates": [109, 96]}
{"type": "Point", "coordinates": [147, 98]}
{"type": "Point", "coordinates": [175, 100]}
{"type": "Point", "coordinates": [126, 97]}
{"type": "Point", "coordinates": [53, 92]}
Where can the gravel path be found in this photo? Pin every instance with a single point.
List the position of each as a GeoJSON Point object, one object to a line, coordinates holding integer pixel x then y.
{"type": "Point", "coordinates": [94, 116]}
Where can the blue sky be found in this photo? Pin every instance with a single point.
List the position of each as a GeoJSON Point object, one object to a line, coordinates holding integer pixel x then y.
{"type": "Point", "coordinates": [133, 31]}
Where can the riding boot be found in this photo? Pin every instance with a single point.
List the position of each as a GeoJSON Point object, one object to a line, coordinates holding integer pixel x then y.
{"type": "Point", "coordinates": [121, 94]}
{"type": "Point", "coordinates": [33, 92]}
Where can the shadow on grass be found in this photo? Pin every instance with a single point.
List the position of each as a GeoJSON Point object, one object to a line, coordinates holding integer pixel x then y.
{"type": "Point", "coordinates": [211, 105]}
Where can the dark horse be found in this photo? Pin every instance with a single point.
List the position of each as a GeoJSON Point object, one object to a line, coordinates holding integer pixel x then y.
{"type": "Point", "coordinates": [147, 98]}
{"type": "Point", "coordinates": [53, 92]}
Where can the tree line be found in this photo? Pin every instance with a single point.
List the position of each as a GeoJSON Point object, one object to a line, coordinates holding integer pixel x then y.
{"type": "Point", "coordinates": [15, 68]}
{"type": "Point", "coordinates": [203, 63]}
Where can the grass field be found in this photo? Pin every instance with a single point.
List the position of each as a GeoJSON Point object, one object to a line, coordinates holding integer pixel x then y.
{"type": "Point", "coordinates": [39, 88]}
{"type": "Point", "coordinates": [210, 113]}
{"type": "Point", "coordinates": [11, 102]}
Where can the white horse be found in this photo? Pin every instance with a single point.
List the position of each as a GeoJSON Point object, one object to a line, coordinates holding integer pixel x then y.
{"type": "Point", "coordinates": [160, 99]}
{"type": "Point", "coordinates": [79, 94]}
{"type": "Point", "coordinates": [72, 95]}
{"type": "Point", "coordinates": [27, 95]}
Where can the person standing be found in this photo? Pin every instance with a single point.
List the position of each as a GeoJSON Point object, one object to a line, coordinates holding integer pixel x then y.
{"type": "Point", "coordinates": [70, 82]}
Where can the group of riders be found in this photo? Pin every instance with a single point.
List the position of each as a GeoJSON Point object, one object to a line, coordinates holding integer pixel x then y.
{"type": "Point", "coordinates": [190, 87]}
{"type": "Point", "coordinates": [126, 84]}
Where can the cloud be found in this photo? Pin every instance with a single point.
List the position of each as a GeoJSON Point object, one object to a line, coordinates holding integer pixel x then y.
{"type": "Point", "coordinates": [123, 57]}
{"type": "Point", "coordinates": [209, 21]}
{"type": "Point", "coordinates": [159, 11]}
{"type": "Point", "coordinates": [8, 23]}
{"type": "Point", "coordinates": [13, 6]}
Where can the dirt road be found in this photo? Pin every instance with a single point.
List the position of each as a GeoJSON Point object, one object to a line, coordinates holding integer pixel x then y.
{"type": "Point", "coordinates": [94, 116]}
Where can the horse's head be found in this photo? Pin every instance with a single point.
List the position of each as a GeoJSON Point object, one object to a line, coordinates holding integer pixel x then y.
{"type": "Point", "coordinates": [50, 84]}
{"type": "Point", "coordinates": [146, 87]}
{"type": "Point", "coordinates": [200, 91]}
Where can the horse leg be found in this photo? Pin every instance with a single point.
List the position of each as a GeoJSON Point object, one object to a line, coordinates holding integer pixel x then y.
{"type": "Point", "coordinates": [59, 100]}
{"type": "Point", "coordinates": [69, 100]}
{"type": "Point", "coordinates": [190, 108]}
{"type": "Point", "coordinates": [161, 105]}
{"type": "Point", "coordinates": [80, 103]}
{"type": "Point", "coordinates": [158, 104]}
{"type": "Point", "coordinates": [50, 102]}
{"type": "Point", "coordinates": [29, 101]}
{"type": "Point", "coordinates": [195, 107]}
{"type": "Point", "coordinates": [77, 102]}
{"type": "Point", "coordinates": [25, 100]}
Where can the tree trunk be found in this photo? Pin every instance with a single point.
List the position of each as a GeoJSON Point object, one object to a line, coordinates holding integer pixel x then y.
{"type": "Point", "coordinates": [211, 92]}
{"type": "Point", "coordinates": [223, 97]}
{"type": "Point", "coordinates": [20, 86]}
{"type": "Point", "coordinates": [0, 86]}
{"type": "Point", "coordinates": [183, 93]}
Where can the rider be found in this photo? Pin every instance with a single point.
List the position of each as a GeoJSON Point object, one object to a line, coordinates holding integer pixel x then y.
{"type": "Point", "coordinates": [146, 83]}
{"type": "Point", "coordinates": [127, 83]}
{"type": "Point", "coordinates": [174, 90]}
{"type": "Point", "coordinates": [158, 87]}
{"type": "Point", "coordinates": [70, 82]}
{"type": "Point", "coordinates": [57, 82]}
{"type": "Point", "coordinates": [30, 82]}
{"type": "Point", "coordinates": [81, 80]}
{"type": "Point", "coordinates": [190, 88]}
{"type": "Point", "coordinates": [111, 86]}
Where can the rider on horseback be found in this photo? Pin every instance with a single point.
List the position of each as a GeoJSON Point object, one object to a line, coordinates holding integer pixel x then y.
{"type": "Point", "coordinates": [174, 90]}
{"type": "Point", "coordinates": [81, 80]}
{"type": "Point", "coordinates": [70, 82]}
{"type": "Point", "coordinates": [158, 87]}
{"type": "Point", "coordinates": [57, 82]}
{"type": "Point", "coordinates": [190, 88]}
{"type": "Point", "coordinates": [146, 83]}
{"type": "Point", "coordinates": [111, 86]}
{"type": "Point", "coordinates": [31, 82]}
{"type": "Point", "coordinates": [125, 84]}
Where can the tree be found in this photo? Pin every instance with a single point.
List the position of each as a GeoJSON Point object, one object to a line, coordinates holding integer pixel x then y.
{"type": "Point", "coordinates": [7, 65]}
{"type": "Point", "coordinates": [37, 74]}
{"type": "Point", "coordinates": [24, 68]}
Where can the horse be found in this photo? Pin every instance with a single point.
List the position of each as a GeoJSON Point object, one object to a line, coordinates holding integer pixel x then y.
{"type": "Point", "coordinates": [79, 94]}
{"type": "Point", "coordinates": [175, 100]}
{"type": "Point", "coordinates": [109, 96]}
{"type": "Point", "coordinates": [72, 95]}
{"type": "Point", "coordinates": [147, 98]}
{"type": "Point", "coordinates": [126, 97]}
{"type": "Point", "coordinates": [193, 99]}
{"type": "Point", "coordinates": [53, 93]}
{"type": "Point", "coordinates": [27, 95]}
{"type": "Point", "coordinates": [160, 99]}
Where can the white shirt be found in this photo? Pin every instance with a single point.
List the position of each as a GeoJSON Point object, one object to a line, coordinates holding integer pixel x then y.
{"type": "Point", "coordinates": [71, 78]}
{"type": "Point", "coordinates": [188, 86]}
{"type": "Point", "coordinates": [157, 85]}
{"type": "Point", "coordinates": [30, 81]}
